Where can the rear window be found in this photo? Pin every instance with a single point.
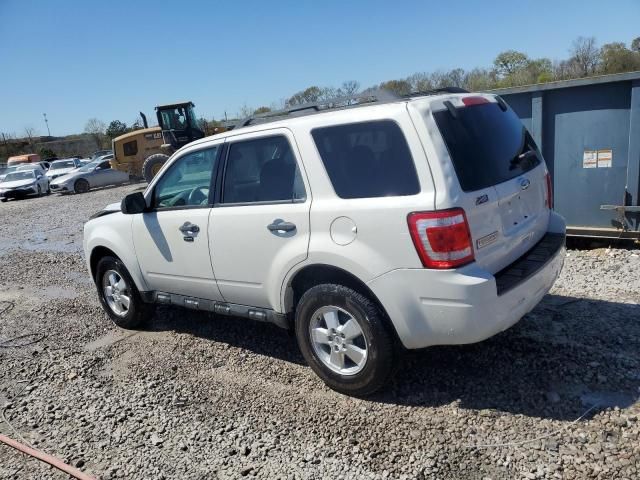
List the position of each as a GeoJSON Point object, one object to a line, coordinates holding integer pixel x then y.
{"type": "Point", "coordinates": [368, 159]}
{"type": "Point", "coordinates": [487, 145]}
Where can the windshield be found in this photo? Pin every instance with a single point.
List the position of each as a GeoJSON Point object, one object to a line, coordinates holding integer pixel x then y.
{"type": "Point", "coordinates": [65, 164]}
{"type": "Point", "coordinates": [19, 175]}
{"type": "Point", "coordinates": [174, 118]}
{"type": "Point", "coordinates": [90, 166]}
{"type": "Point", "coordinates": [487, 145]}
{"type": "Point", "coordinates": [8, 170]}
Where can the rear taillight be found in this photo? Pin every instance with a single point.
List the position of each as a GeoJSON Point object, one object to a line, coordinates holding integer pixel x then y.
{"type": "Point", "coordinates": [549, 191]}
{"type": "Point", "coordinates": [442, 238]}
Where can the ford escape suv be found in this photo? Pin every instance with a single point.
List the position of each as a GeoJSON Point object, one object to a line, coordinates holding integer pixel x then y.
{"type": "Point", "coordinates": [366, 228]}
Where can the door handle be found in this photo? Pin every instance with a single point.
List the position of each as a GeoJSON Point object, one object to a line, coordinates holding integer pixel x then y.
{"type": "Point", "coordinates": [188, 228]}
{"type": "Point", "coordinates": [280, 226]}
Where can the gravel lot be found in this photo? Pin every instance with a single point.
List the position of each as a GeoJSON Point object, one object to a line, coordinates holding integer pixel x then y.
{"type": "Point", "coordinates": [198, 396]}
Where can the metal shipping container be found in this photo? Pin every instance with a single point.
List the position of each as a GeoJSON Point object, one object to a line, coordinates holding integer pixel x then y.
{"type": "Point", "coordinates": [589, 133]}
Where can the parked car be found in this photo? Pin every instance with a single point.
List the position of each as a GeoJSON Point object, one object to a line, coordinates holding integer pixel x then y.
{"type": "Point", "coordinates": [94, 174]}
{"type": "Point", "coordinates": [22, 183]}
{"type": "Point", "coordinates": [31, 166]}
{"type": "Point", "coordinates": [399, 224]}
{"type": "Point", "coordinates": [6, 170]}
{"type": "Point", "coordinates": [61, 167]}
{"type": "Point", "coordinates": [100, 153]}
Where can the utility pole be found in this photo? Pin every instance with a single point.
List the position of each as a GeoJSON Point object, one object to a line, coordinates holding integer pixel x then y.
{"type": "Point", "coordinates": [47, 122]}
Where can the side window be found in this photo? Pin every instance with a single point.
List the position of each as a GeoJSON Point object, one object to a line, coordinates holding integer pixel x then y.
{"type": "Point", "coordinates": [262, 170]}
{"type": "Point", "coordinates": [368, 159]}
{"type": "Point", "coordinates": [105, 165]}
{"type": "Point", "coordinates": [130, 148]}
{"type": "Point", "coordinates": [187, 182]}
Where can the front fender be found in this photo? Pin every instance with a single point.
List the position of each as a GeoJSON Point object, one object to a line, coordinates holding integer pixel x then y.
{"type": "Point", "coordinates": [114, 231]}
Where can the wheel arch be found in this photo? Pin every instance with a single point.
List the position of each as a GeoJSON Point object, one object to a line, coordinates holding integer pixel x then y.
{"type": "Point", "coordinates": [105, 249]}
{"type": "Point", "coordinates": [318, 273]}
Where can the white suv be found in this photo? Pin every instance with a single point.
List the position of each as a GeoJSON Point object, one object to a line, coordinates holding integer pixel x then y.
{"type": "Point", "coordinates": [368, 228]}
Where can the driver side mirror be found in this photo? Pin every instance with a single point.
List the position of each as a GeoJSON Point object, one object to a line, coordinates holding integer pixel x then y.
{"type": "Point", "coordinates": [133, 203]}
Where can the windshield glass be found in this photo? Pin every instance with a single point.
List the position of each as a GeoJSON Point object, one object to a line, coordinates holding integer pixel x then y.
{"type": "Point", "coordinates": [90, 166]}
{"type": "Point", "coordinates": [65, 164]}
{"type": "Point", "coordinates": [487, 145]}
{"type": "Point", "coordinates": [20, 175]}
{"type": "Point", "coordinates": [8, 170]}
{"type": "Point", "coordinates": [174, 118]}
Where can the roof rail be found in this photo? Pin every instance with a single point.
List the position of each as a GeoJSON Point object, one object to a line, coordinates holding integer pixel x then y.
{"type": "Point", "coordinates": [362, 98]}
{"type": "Point", "coordinates": [366, 97]}
{"type": "Point", "coordinates": [436, 91]}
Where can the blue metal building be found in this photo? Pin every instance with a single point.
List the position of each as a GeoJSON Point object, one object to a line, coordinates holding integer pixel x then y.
{"type": "Point", "coordinates": [589, 133]}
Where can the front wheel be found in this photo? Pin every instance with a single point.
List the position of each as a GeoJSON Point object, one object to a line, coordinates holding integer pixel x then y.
{"type": "Point", "coordinates": [81, 186]}
{"type": "Point", "coordinates": [118, 294]}
{"type": "Point", "coordinates": [343, 338]}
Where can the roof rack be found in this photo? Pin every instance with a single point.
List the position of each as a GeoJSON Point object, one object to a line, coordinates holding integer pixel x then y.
{"type": "Point", "coordinates": [359, 99]}
{"type": "Point", "coordinates": [366, 97]}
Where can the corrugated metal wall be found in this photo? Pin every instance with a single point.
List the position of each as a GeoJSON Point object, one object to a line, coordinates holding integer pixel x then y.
{"type": "Point", "coordinates": [595, 115]}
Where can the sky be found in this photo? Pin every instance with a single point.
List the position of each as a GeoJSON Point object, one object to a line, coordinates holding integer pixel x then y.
{"type": "Point", "coordinates": [75, 60]}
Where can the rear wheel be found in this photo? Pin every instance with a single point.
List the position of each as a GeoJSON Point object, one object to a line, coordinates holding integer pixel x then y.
{"type": "Point", "coordinates": [342, 335]}
{"type": "Point", "coordinates": [118, 294]}
{"type": "Point", "coordinates": [81, 186]}
{"type": "Point", "coordinates": [152, 165]}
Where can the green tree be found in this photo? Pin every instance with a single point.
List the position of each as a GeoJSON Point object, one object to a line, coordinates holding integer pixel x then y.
{"type": "Point", "coordinates": [399, 87]}
{"type": "Point", "coordinates": [635, 44]}
{"type": "Point", "coordinates": [46, 153]}
{"type": "Point", "coordinates": [616, 57]}
{"type": "Point", "coordinates": [308, 95]}
{"type": "Point", "coordinates": [261, 110]}
{"type": "Point", "coordinates": [96, 129]}
{"type": "Point", "coordinates": [116, 128]}
{"type": "Point", "coordinates": [509, 62]}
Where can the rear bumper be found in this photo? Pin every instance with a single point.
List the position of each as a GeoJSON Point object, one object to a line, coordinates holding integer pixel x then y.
{"type": "Point", "coordinates": [448, 307]}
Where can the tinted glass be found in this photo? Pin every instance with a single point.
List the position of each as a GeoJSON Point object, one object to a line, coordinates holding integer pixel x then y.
{"type": "Point", "coordinates": [187, 182]}
{"type": "Point", "coordinates": [262, 170]}
{"type": "Point", "coordinates": [130, 148]}
{"type": "Point", "coordinates": [487, 145]}
{"type": "Point", "coordinates": [369, 159]}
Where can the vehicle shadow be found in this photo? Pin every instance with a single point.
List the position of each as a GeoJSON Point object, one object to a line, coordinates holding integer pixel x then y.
{"type": "Point", "coordinates": [564, 357]}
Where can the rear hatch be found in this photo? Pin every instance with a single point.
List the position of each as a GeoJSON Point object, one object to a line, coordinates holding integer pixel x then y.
{"type": "Point", "coordinates": [501, 176]}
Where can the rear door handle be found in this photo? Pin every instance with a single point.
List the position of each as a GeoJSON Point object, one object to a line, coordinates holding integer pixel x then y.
{"type": "Point", "coordinates": [280, 226]}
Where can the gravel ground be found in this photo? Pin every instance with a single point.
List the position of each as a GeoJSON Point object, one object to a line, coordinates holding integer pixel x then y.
{"type": "Point", "coordinates": [198, 396]}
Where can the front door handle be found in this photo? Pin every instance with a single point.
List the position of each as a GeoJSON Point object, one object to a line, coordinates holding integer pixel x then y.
{"type": "Point", "coordinates": [189, 228]}
{"type": "Point", "coordinates": [280, 226]}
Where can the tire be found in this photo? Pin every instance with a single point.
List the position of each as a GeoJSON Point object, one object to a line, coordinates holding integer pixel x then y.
{"type": "Point", "coordinates": [137, 311]}
{"type": "Point", "coordinates": [81, 186]}
{"type": "Point", "coordinates": [152, 165]}
{"type": "Point", "coordinates": [353, 379]}
{"type": "Point", "coordinates": [3, 199]}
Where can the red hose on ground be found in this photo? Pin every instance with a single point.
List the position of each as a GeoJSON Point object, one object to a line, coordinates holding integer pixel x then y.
{"type": "Point", "coordinates": [54, 462]}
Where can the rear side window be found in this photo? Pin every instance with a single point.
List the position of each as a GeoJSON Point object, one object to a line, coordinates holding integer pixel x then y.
{"type": "Point", "coordinates": [262, 170]}
{"type": "Point", "coordinates": [487, 145]}
{"type": "Point", "coordinates": [368, 159]}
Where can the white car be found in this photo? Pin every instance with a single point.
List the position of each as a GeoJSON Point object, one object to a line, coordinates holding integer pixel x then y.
{"type": "Point", "coordinates": [95, 174]}
{"type": "Point", "coordinates": [368, 229]}
{"type": "Point", "coordinates": [62, 167]}
{"type": "Point", "coordinates": [22, 183]}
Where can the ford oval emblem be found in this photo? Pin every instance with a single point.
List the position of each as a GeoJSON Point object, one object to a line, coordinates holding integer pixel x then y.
{"type": "Point", "coordinates": [524, 183]}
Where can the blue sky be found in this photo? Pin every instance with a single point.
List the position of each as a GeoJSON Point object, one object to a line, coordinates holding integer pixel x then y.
{"type": "Point", "coordinates": [80, 59]}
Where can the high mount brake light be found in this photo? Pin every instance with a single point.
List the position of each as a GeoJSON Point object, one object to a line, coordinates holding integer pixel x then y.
{"type": "Point", "coordinates": [470, 101]}
{"type": "Point", "coordinates": [442, 238]}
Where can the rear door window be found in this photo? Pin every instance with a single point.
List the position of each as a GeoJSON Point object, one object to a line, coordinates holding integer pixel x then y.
{"type": "Point", "coordinates": [368, 159]}
{"type": "Point", "coordinates": [487, 145]}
